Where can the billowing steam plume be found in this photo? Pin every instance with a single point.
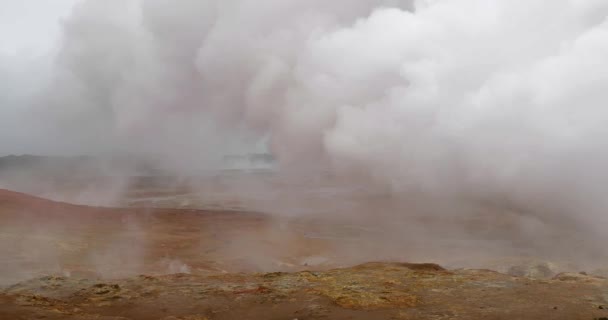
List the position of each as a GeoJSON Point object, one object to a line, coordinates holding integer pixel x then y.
{"type": "Point", "coordinates": [492, 100]}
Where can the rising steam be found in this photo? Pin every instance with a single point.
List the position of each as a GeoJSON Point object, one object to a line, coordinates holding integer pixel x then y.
{"type": "Point", "coordinates": [499, 101]}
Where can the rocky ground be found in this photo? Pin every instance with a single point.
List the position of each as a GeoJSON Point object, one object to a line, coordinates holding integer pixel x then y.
{"type": "Point", "coordinates": [368, 291]}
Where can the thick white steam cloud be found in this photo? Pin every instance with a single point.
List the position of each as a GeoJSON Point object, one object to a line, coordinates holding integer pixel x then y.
{"type": "Point", "coordinates": [494, 100]}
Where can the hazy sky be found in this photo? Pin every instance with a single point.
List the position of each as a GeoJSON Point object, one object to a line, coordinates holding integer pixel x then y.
{"type": "Point", "coordinates": [31, 26]}
{"type": "Point", "coordinates": [29, 34]}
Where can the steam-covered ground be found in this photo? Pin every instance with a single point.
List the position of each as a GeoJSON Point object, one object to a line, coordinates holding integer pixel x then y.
{"type": "Point", "coordinates": [262, 221]}
{"type": "Point", "coordinates": [190, 236]}
{"type": "Point", "coordinates": [76, 262]}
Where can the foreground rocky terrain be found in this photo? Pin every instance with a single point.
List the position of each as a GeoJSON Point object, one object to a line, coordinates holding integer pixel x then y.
{"type": "Point", "coordinates": [64, 261]}
{"type": "Point", "coordinates": [368, 291]}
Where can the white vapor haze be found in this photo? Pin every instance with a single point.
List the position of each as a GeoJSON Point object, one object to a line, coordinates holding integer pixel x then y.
{"type": "Point", "coordinates": [493, 100]}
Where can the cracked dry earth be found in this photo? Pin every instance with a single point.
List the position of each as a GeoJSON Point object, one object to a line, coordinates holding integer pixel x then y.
{"type": "Point", "coordinates": [368, 291]}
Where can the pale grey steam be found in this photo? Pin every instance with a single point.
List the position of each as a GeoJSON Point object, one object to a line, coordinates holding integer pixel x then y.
{"type": "Point", "coordinates": [499, 101]}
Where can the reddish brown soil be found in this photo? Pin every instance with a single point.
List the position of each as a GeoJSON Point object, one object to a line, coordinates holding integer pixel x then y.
{"type": "Point", "coordinates": [109, 242]}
